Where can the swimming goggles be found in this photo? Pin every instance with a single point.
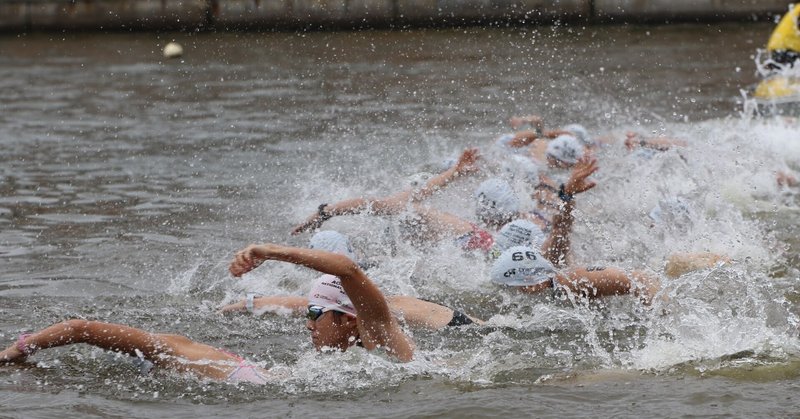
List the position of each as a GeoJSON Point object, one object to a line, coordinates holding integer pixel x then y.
{"type": "Point", "coordinates": [314, 312]}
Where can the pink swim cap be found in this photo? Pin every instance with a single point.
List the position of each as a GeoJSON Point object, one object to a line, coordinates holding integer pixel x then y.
{"type": "Point", "coordinates": [328, 293]}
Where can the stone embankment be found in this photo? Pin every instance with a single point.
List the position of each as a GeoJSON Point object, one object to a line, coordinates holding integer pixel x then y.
{"type": "Point", "coordinates": [49, 15]}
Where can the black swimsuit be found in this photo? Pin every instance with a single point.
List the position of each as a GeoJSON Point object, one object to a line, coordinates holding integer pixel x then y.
{"type": "Point", "coordinates": [459, 319]}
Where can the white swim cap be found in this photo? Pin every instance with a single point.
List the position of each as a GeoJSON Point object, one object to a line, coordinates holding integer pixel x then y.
{"type": "Point", "coordinates": [565, 148]}
{"type": "Point", "coordinates": [521, 167]}
{"type": "Point", "coordinates": [504, 140]}
{"type": "Point", "coordinates": [332, 241]}
{"type": "Point", "coordinates": [672, 210]}
{"type": "Point", "coordinates": [418, 180]}
{"type": "Point", "coordinates": [521, 266]}
{"type": "Point", "coordinates": [579, 132]}
{"type": "Point", "coordinates": [496, 200]}
{"type": "Point", "coordinates": [328, 293]}
{"type": "Point", "coordinates": [519, 233]}
{"type": "Point", "coordinates": [447, 163]}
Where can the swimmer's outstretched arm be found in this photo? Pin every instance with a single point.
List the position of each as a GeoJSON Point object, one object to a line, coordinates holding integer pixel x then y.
{"type": "Point", "coordinates": [557, 245]}
{"type": "Point", "coordinates": [439, 223]}
{"type": "Point", "coordinates": [271, 303]}
{"type": "Point", "coordinates": [659, 143]}
{"type": "Point", "coordinates": [415, 312]}
{"type": "Point", "coordinates": [392, 204]}
{"type": "Point", "coordinates": [107, 336]}
{"type": "Point", "coordinates": [377, 326]}
{"type": "Point", "coordinates": [593, 282]}
{"type": "Point", "coordinates": [524, 138]}
{"type": "Point", "coordinates": [172, 351]}
{"type": "Point", "coordinates": [682, 263]}
{"type": "Point", "coordinates": [466, 164]}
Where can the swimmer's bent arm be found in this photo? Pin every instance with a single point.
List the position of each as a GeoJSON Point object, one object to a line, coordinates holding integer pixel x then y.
{"type": "Point", "coordinates": [465, 165]}
{"type": "Point", "coordinates": [557, 245]}
{"type": "Point", "coordinates": [377, 327]}
{"type": "Point", "coordinates": [392, 204]}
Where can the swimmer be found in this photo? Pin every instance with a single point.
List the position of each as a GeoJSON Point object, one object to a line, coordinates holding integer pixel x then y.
{"type": "Point", "coordinates": [345, 307]}
{"type": "Point", "coordinates": [169, 351]}
{"type": "Point", "coordinates": [497, 208]}
{"type": "Point", "coordinates": [335, 323]}
{"type": "Point", "coordinates": [412, 311]}
{"type": "Point", "coordinates": [538, 140]}
{"type": "Point", "coordinates": [563, 153]}
{"type": "Point", "coordinates": [392, 204]}
{"type": "Point", "coordinates": [676, 214]}
{"type": "Point", "coordinates": [527, 270]}
{"type": "Point", "coordinates": [533, 271]}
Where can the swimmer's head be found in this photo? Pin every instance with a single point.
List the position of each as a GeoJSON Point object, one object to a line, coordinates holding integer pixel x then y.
{"type": "Point", "coordinates": [565, 150]}
{"type": "Point", "coordinates": [327, 292]}
{"type": "Point", "coordinates": [579, 132]}
{"type": "Point", "coordinates": [503, 143]}
{"type": "Point", "coordinates": [521, 167]}
{"type": "Point", "coordinates": [673, 211]}
{"type": "Point", "coordinates": [519, 233]}
{"type": "Point", "coordinates": [446, 163]}
{"type": "Point", "coordinates": [418, 180]}
{"type": "Point", "coordinates": [521, 266]}
{"type": "Point", "coordinates": [332, 241]}
{"type": "Point", "coordinates": [331, 315]}
{"type": "Point", "coordinates": [496, 202]}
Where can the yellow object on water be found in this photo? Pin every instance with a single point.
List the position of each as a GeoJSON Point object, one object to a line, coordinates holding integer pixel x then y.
{"type": "Point", "coordinates": [778, 87]}
{"type": "Point", "coordinates": [786, 35]}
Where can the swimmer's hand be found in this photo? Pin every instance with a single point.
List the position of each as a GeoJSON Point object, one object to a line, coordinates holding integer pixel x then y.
{"type": "Point", "coordinates": [578, 182]}
{"type": "Point", "coordinates": [631, 140]}
{"type": "Point", "coordinates": [535, 121]}
{"type": "Point", "coordinates": [248, 259]}
{"type": "Point", "coordinates": [786, 179]}
{"type": "Point", "coordinates": [467, 163]}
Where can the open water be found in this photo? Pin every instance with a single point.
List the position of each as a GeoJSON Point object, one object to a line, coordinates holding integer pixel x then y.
{"type": "Point", "coordinates": [128, 181]}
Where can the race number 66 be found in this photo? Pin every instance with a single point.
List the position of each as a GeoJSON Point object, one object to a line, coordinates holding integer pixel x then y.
{"type": "Point", "coordinates": [518, 256]}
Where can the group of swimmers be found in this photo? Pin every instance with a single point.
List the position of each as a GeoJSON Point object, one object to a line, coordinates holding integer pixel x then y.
{"type": "Point", "coordinates": [529, 251]}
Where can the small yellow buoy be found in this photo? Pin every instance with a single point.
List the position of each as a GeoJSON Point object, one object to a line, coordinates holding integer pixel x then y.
{"type": "Point", "coordinates": [173, 50]}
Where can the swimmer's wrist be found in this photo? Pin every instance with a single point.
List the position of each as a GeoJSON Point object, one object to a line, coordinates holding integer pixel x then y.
{"type": "Point", "coordinates": [249, 303]}
{"type": "Point", "coordinates": [323, 215]}
{"type": "Point", "coordinates": [563, 195]}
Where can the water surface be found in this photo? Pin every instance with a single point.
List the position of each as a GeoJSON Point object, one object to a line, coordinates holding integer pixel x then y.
{"type": "Point", "coordinates": [127, 183]}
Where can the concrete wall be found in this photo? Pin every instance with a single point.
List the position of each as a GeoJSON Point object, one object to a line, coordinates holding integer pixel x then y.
{"type": "Point", "coordinates": [24, 15]}
{"type": "Point", "coordinates": [661, 10]}
{"type": "Point", "coordinates": [233, 13]}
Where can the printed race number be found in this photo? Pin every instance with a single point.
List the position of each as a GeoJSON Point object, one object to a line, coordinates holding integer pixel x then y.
{"type": "Point", "coordinates": [518, 256]}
